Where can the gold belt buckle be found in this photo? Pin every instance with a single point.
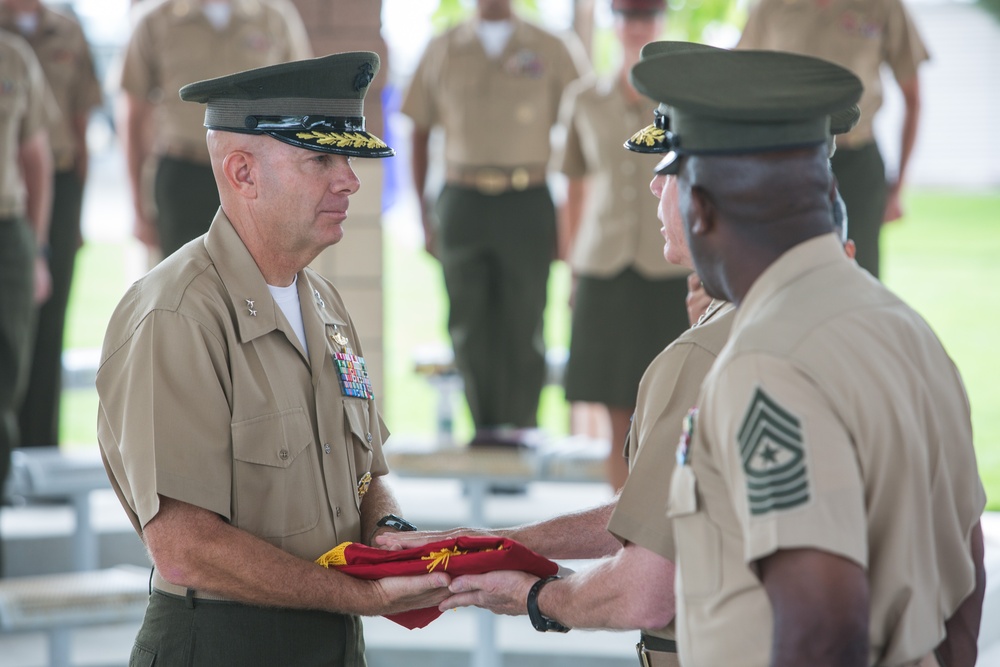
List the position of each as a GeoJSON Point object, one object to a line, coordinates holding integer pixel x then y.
{"type": "Point", "coordinates": [640, 649]}
{"type": "Point", "coordinates": [491, 181]}
{"type": "Point", "coordinates": [520, 179]}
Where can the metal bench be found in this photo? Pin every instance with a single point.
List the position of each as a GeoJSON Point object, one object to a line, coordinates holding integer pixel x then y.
{"type": "Point", "coordinates": [58, 603]}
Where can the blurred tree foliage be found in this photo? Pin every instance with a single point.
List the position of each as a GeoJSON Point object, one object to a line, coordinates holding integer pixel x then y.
{"type": "Point", "coordinates": [992, 6]}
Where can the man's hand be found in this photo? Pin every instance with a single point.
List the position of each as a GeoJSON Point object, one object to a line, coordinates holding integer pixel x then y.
{"type": "Point", "coordinates": [43, 281]}
{"type": "Point", "coordinates": [394, 540]}
{"type": "Point", "coordinates": [144, 229]}
{"type": "Point", "coordinates": [893, 204]}
{"type": "Point", "coordinates": [401, 594]}
{"type": "Point", "coordinates": [502, 592]}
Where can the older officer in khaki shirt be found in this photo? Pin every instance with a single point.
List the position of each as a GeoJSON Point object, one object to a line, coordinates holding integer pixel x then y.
{"type": "Point", "coordinates": [25, 196]}
{"type": "Point", "coordinates": [237, 421]}
{"type": "Point", "coordinates": [493, 85]}
{"type": "Point", "coordinates": [64, 55]}
{"type": "Point", "coordinates": [611, 240]}
{"type": "Point", "coordinates": [826, 500]}
{"type": "Point", "coordinates": [174, 42]}
{"type": "Point", "coordinates": [861, 36]}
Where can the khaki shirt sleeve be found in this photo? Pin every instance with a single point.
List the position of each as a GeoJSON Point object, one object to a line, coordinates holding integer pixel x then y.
{"type": "Point", "coordinates": [40, 103]}
{"type": "Point", "coordinates": [420, 103]}
{"type": "Point", "coordinates": [86, 93]}
{"type": "Point", "coordinates": [170, 420]}
{"type": "Point", "coordinates": [666, 395]}
{"type": "Point", "coordinates": [571, 159]}
{"type": "Point", "coordinates": [140, 74]}
{"type": "Point", "coordinates": [788, 461]}
{"type": "Point", "coordinates": [904, 49]}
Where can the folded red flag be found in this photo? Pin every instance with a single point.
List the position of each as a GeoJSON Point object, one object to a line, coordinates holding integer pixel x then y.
{"type": "Point", "coordinates": [457, 555]}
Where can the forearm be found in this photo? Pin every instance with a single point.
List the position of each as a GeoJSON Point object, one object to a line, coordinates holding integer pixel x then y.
{"type": "Point", "coordinates": [911, 122]}
{"type": "Point", "coordinates": [572, 213]}
{"type": "Point", "coordinates": [632, 590]}
{"type": "Point", "coordinates": [959, 647]}
{"type": "Point", "coordinates": [35, 161]}
{"type": "Point", "coordinates": [580, 534]}
{"type": "Point", "coordinates": [194, 548]}
{"type": "Point", "coordinates": [133, 119]}
{"type": "Point", "coordinates": [377, 502]}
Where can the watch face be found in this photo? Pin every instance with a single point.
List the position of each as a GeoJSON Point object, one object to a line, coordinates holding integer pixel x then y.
{"type": "Point", "coordinates": [393, 521]}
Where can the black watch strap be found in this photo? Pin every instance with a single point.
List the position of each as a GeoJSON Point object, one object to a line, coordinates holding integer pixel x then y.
{"type": "Point", "coordinates": [541, 623]}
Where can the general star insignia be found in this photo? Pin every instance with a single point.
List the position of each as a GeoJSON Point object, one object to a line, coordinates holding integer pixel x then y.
{"type": "Point", "coordinates": [774, 458]}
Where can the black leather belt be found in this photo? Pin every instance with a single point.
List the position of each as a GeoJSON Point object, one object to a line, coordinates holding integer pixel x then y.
{"type": "Point", "coordinates": [649, 643]}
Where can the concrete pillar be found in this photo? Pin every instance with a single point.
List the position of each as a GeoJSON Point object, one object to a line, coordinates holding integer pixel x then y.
{"type": "Point", "coordinates": [355, 264]}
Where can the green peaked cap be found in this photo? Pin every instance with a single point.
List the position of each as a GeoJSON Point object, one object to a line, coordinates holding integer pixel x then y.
{"type": "Point", "coordinates": [316, 104]}
{"type": "Point", "coordinates": [731, 102]}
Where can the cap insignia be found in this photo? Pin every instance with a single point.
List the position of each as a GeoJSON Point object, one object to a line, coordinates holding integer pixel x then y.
{"type": "Point", "coordinates": [342, 139]}
{"type": "Point", "coordinates": [364, 77]}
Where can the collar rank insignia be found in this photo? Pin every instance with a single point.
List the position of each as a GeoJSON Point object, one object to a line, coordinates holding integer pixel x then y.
{"type": "Point", "coordinates": [363, 484]}
{"type": "Point", "coordinates": [773, 454]}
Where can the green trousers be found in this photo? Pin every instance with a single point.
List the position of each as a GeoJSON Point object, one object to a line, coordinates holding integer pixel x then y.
{"type": "Point", "coordinates": [39, 413]}
{"type": "Point", "coordinates": [495, 251]}
{"type": "Point", "coordinates": [860, 176]}
{"type": "Point", "coordinates": [187, 200]}
{"type": "Point", "coordinates": [182, 632]}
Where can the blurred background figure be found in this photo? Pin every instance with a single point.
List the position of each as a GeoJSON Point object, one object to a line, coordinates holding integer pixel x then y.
{"type": "Point", "coordinates": [59, 44]}
{"type": "Point", "coordinates": [25, 203]}
{"type": "Point", "coordinates": [861, 36]}
{"type": "Point", "coordinates": [493, 85]}
{"type": "Point", "coordinates": [628, 304]}
{"type": "Point", "coordinates": [175, 42]}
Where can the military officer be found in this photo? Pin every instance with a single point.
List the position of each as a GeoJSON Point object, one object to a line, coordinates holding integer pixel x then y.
{"type": "Point", "coordinates": [174, 42]}
{"type": "Point", "coordinates": [25, 200]}
{"type": "Point", "coordinates": [826, 500]}
{"type": "Point", "coordinates": [64, 54]}
{"type": "Point", "coordinates": [610, 238]}
{"type": "Point", "coordinates": [861, 36]}
{"type": "Point", "coordinates": [237, 421]}
{"type": "Point", "coordinates": [493, 85]}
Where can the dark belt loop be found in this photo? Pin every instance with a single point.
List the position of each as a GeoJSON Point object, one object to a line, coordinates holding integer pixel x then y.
{"type": "Point", "coordinates": [189, 598]}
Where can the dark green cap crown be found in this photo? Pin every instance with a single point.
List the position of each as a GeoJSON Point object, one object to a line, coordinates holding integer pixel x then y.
{"type": "Point", "coordinates": [316, 104]}
{"type": "Point", "coordinates": [731, 102]}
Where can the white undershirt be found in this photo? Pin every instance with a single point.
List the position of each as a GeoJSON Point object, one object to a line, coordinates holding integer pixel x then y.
{"type": "Point", "coordinates": [217, 13]}
{"type": "Point", "coordinates": [287, 299]}
{"type": "Point", "coordinates": [494, 36]}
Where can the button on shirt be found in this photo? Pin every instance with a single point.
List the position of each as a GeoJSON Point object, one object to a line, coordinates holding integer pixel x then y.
{"type": "Point", "coordinates": [207, 399]}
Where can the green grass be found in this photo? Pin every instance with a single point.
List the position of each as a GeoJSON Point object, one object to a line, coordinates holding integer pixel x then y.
{"type": "Point", "coordinates": [941, 258]}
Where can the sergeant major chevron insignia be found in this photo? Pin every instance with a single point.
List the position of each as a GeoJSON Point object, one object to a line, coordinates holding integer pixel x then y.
{"type": "Point", "coordinates": [770, 440]}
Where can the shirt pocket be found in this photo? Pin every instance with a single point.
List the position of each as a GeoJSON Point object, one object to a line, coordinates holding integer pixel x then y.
{"type": "Point", "coordinates": [359, 438]}
{"type": "Point", "coordinates": [698, 540]}
{"type": "Point", "coordinates": [274, 475]}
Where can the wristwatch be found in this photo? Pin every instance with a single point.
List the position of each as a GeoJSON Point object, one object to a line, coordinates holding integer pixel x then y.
{"type": "Point", "coordinates": [541, 623]}
{"type": "Point", "coordinates": [393, 521]}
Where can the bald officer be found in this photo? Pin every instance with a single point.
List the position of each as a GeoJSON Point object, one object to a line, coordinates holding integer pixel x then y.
{"type": "Point", "coordinates": [237, 421]}
{"type": "Point", "coordinates": [25, 198]}
{"type": "Point", "coordinates": [64, 55]}
{"type": "Point", "coordinates": [826, 500]}
{"type": "Point", "coordinates": [611, 237]}
{"type": "Point", "coordinates": [861, 36]}
{"type": "Point", "coordinates": [174, 42]}
{"type": "Point", "coordinates": [493, 86]}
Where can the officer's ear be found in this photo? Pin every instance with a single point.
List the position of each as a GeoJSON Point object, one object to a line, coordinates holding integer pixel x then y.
{"type": "Point", "coordinates": [705, 213]}
{"type": "Point", "coordinates": [239, 170]}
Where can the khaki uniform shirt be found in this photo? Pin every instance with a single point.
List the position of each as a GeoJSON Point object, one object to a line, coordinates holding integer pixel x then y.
{"type": "Point", "coordinates": [173, 44]}
{"type": "Point", "coordinates": [857, 34]}
{"type": "Point", "coordinates": [667, 391]}
{"type": "Point", "coordinates": [63, 52]}
{"type": "Point", "coordinates": [833, 420]}
{"type": "Point", "coordinates": [23, 113]}
{"type": "Point", "coordinates": [618, 229]}
{"type": "Point", "coordinates": [494, 112]}
{"type": "Point", "coordinates": [206, 397]}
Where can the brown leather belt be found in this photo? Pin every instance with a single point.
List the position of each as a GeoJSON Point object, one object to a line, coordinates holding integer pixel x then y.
{"type": "Point", "coordinates": [164, 586]}
{"type": "Point", "coordinates": [496, 180]}
{"type": "Point", "coordinates": [657, 652]}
